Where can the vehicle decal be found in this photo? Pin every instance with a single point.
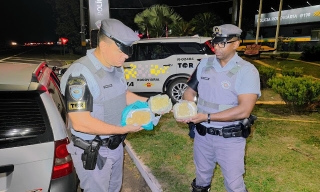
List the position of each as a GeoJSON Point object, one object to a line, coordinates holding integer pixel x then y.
{"type": "Point", "coordinates": [130, 84]}
{"type": "Point", "coordinates": [145, 71]}
{"type": "Point", "coordinates": [185, 65]}
{"type": "Point", "coordinates": [131, 72]}
{"type": "Point", "coordinates": [185, 59]}
{"type": "Point", "coordinates": [148, 84]}
{"type": "Point", "coordinates": [148, 79]}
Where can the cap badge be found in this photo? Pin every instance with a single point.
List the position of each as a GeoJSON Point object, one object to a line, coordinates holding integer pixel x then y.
{"type": "Point", "coordinates": [217, 30]}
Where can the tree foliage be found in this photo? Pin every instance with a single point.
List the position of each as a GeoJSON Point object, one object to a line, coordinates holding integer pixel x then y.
{"type": "Point", "coordinates": [156, 20]}
{"type": "Point", "coordinates": [204, 23]}
{"type": "Point", "coordinates": [182, 28]}
{"type": "Point", "coordinates": [67, 17]}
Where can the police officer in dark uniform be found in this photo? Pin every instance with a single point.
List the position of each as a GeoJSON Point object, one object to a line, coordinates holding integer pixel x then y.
{"type": "Point", "coordinates": [96, 94]}
{"type": "Point", "coordinates": [227, 89]}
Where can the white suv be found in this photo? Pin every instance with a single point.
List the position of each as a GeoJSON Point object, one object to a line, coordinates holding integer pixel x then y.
{"type": "Point", "coordinates": [164, 64]}
{"type": "Point", "coordinates": [33, 131]}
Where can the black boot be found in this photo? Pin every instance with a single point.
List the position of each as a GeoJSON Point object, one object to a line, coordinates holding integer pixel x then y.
{"type": "Point", "coordinates": [196, 188]}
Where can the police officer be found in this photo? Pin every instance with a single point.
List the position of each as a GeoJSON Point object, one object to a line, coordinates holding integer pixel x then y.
{"type": "Point", "coordinates": [227, 88]}
{"type": "Point", "coordinates": [96, 94]}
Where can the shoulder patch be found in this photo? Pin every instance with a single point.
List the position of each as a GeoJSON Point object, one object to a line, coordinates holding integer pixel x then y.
{"type": "Point", "coordinates": [76, 91]}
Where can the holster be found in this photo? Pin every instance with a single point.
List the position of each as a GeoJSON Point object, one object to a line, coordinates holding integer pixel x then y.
{"type": "Point", "coordinates": [246, 125]}
{"type": "Point", "coordinates": [90, 153]}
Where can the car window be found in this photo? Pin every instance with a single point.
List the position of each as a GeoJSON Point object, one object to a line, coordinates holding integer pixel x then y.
{"type": "Point", "coordinates": [191, 48]}
{"type": "Point", "coordinates": [150, 51]}
{"type": "Point", "coordinates": [187, 48]}
{"type": "Point", "coordinates": [23, 119]}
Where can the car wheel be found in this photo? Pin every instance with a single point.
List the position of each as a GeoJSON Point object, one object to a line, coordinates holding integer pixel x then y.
{"type": "Point", "coordinates": [176, 89]}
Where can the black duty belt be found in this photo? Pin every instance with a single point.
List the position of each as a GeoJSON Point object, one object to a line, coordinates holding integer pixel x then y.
{"type": "Point", "coordinates": [104, 142]}
{"type": "Point", "coordinates": [214, 131]}
{"type": "Point", "coordinates": [226, 132]}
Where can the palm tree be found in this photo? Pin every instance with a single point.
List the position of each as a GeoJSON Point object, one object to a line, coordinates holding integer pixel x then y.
{"type": "Point", "coordinates": [143, 21]}
{"type": "Point", "coordinates": [204, 23]}
{"type": "Point", "coordinates": [182, 28]}
{"type": "Point", "coordinates": [155, 19]}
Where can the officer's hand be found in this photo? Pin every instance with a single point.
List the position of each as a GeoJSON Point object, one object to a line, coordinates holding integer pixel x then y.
{"type": "Point", "coordinates": [199, 118]}
{"type": "Point", "coordinates": [133, 128]}
{"type": "Point", "coordinates": [183, 120]}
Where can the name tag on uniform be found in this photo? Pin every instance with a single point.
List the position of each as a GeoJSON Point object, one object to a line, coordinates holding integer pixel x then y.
{"type": "Point", "coordinates": [76, 105]}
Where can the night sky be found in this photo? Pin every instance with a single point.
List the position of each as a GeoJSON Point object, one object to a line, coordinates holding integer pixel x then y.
{"type": "Point", "coordinates": [31, 20]}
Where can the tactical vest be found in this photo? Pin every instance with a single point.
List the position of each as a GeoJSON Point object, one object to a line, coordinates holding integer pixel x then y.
{"type": "Point", "coordinates": [217, 90]}
{"type": "Point", "coordinates": [111, 101]}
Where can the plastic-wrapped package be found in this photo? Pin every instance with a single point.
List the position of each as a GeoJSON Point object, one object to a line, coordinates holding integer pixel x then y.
{"type": "Point", "coordinates": [160, 104]}
{"type": "Point", "coordinates": [139, 117]}
{"type": "Point", "coordinates": [139, 113]}
{"type": "Point", "coordinates": [184, 110]}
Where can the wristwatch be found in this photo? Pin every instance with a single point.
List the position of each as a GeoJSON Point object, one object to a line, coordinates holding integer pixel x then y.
{"type": "Point", "coordinates": [208, 117]}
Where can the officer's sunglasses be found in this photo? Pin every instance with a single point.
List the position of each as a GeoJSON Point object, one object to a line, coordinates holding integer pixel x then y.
{"type": "Point", "coordinates": [124, 48]}
{"type": "Point", "coordinates": [222, 44]}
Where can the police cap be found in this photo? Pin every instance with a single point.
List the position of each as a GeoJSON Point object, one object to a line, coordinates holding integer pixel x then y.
{"type": "Point", "coordinates": [120, 33]}
{"type": "Point", "coordinates": [225, 33]}
{"type": "Point", "coordinates": [115, 29]}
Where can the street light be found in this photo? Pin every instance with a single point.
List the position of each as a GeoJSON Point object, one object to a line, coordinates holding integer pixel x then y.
{"type": "Point", "coordinates": [273, 9]}
{"type": "Point", "coordinates": [309, 3]}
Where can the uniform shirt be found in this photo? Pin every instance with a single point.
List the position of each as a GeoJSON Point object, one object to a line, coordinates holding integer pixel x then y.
{"type": "Point", "coordinates": [246, 81]}
{"type": "Point", "coordinates": [76, 69]}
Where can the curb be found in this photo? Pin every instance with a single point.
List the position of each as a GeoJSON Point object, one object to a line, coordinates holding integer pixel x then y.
{"type": "Point", "coordinates": [271, 102]}
{"type": "Point", "coordinates": [144, 170]}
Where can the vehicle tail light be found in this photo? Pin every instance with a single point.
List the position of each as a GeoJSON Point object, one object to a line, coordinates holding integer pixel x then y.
{"type": "Point", "coordinates": [62, 160]}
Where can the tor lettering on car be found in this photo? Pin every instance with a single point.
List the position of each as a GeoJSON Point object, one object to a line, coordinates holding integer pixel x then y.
{"type": "Point", "coordinates": [185, 65]}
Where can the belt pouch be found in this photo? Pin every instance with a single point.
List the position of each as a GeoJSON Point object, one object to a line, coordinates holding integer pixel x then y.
{"type": "Point", "coordinates": [228, 131]}
{"type": "Point", "coordinates": [116, 140]}
{"type": "Point", "coordinates": [89, 155]}
{"type": "Point", "coordinates": [202, 130]}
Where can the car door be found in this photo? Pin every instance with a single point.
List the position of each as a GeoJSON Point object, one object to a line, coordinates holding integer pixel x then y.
{"type": "Point", "coordinates": [26, 142]}
{"type": "Point", "coordinates": [150, 66]}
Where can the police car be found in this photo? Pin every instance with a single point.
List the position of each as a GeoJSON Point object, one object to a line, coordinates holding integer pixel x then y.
{"type": "Point", "coordinates": [164, 64]}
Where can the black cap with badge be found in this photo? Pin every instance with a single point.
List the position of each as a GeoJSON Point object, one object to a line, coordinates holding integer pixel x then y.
{"type": "Point", "coordinates": [122, 35]}
{"type": "Point", "coordinates": [224, 33]}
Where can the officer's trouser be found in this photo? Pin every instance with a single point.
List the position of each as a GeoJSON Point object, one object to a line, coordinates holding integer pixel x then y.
{"type": "Point", "coordinates": [108, 179]}
{"type": "Point", "coordinates": [227, 152]}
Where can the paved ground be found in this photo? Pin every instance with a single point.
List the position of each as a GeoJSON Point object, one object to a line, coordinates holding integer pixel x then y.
{"type": "Point", "coordinates": [132, 179]}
